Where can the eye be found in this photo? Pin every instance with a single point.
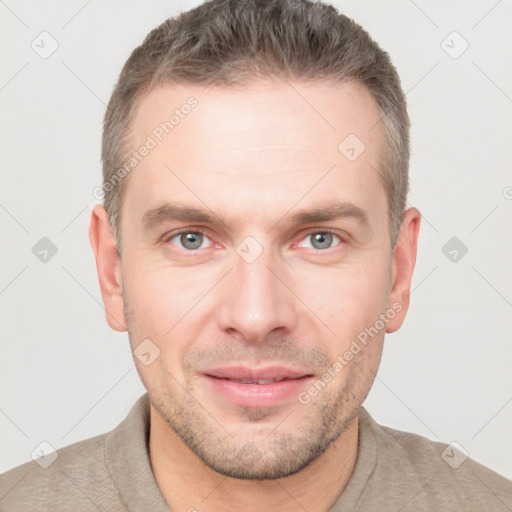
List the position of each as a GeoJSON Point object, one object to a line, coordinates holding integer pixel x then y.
{"type": "Point", "coordinates": [190, 240]}
{"type": "Point", "coordinates": [320, 240]}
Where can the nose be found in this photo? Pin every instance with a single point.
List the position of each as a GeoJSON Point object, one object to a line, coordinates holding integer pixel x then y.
{"type": "Point", "coordinates": [255, 301]}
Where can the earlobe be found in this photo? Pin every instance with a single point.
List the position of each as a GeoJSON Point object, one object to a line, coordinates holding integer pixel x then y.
{"type": "Point", "coordinates": [108, 266]}
{"type": "Point", "coordinates": [404, 261]}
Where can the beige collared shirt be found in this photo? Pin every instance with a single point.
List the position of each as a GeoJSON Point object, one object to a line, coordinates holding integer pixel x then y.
{"type": "Point", "coordinates": [395, 471]}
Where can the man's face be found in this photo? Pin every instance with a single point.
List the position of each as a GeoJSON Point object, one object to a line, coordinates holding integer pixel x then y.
{"type": "Point", "coordinates": [258, 293]}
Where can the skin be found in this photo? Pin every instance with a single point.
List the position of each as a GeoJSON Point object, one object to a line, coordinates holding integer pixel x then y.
{"type": "Point", "coordinates": [253, 157]}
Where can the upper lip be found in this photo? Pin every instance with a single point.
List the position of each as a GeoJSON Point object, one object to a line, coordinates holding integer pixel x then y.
{"type": "Point", "coordinates": [251, 373]}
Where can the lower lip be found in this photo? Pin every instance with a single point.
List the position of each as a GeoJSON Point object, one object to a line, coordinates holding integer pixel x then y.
{"type": "Point", "coordinates": [257, 395]}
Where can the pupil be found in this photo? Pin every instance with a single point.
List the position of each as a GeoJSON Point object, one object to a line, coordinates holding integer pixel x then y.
{"type": "Point", "coordinates": [191, 240]}
{"type": "Point", "coordinates": [322, 240]}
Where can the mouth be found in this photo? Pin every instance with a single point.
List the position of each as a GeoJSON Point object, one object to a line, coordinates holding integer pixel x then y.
{"type": "Point", "coordinates": [252, 381]}
{"type": "Point", "coordinates": [256, 388]}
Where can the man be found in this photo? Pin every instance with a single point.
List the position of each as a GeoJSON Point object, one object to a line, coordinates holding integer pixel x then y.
{"type": "Point", "coordinates": [255, 245]}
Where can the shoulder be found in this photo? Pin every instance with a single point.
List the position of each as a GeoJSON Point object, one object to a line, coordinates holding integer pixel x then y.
{"type": "Point", "coordinates": [75, 477]}
{"type": "Point", "coordinates": [432, 474]}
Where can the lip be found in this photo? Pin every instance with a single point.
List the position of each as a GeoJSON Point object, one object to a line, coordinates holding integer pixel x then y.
{"type": "Point", "coordinates": [287, 382]}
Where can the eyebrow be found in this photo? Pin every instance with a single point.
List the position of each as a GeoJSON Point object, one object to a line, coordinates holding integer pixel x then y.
{"type": "Point", "coordinates": [173, 212]}
{"type": "Point", "coordinates": [331, 211]}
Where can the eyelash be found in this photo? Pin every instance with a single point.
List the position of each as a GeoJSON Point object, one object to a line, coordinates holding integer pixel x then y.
{"type": "Point", "coordinates": [202, 232]}
{"type": "Point", "coordinates": [325, 232]}
{"type": "Point", "coordinates": [167, 239]}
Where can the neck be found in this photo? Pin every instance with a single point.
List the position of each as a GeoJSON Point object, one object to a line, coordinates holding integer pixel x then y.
{"type": "Point", "coordinates": [188, 484]}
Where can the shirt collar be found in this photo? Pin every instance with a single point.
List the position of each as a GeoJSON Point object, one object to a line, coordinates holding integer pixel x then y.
{"type": "Point", "coordinates": [128, 462]}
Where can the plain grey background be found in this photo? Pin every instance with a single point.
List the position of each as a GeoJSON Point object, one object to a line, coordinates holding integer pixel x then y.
{"type": "Point", "coordinates": [65, 376]}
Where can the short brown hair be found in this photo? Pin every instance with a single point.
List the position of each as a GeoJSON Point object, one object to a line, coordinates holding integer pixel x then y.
{"type": "Point", "coordinates": [231, 42]}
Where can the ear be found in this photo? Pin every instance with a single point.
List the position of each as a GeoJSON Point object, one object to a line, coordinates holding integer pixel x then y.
{"type": "Point", "coordinates": [404, 260]}
{"type": "Point", "coordinates": [108, 265]}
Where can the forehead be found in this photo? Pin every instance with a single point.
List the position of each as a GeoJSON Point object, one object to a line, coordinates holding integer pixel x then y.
{"type": "Point", "coordinates": [256, 150]}
{"type": "Point", "coordinates": [259, 110]}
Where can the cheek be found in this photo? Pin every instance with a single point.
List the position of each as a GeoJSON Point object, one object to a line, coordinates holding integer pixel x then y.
{"type": "Point", "coordinates": [160, 295]}
{"type": "Point", "coordinates": [168, 306]}
{"type": "Point", "coordinates": [347, 299]}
